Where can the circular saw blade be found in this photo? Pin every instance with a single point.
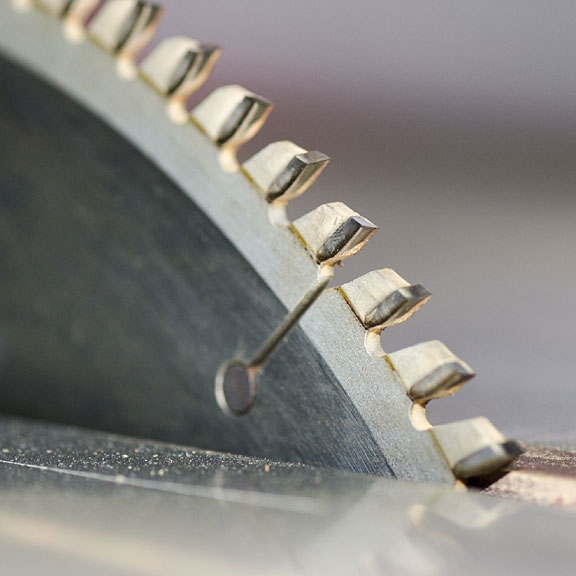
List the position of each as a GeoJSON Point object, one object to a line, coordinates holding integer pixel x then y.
{"type": "Point", "coordinates": [140, 259]}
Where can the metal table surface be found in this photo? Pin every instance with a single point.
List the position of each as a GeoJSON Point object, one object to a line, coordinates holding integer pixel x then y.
{"type": "Point", "coordinates": [76, 501]}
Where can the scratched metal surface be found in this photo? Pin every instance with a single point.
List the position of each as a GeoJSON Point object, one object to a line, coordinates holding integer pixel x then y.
{"type": "Point", "coordinates": [77, 501]}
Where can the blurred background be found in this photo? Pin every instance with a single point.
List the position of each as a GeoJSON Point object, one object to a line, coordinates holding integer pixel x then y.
{"type": "Point", "coordinates": [452, 125]}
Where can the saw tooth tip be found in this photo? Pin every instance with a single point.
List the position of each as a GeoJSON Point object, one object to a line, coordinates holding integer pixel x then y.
{"type": "Point", "coordinates": [72, 13]}
{"type": "Point", "coordinates": [475, 448]}
{"type": "Point", "coordinates": [430, 370]}
{"type": "Point", "coordinates": [177, 68]}
{"type": "Point", "coordinates": [333, 232]}
{"type": "Point", "coordinates": [230, 116]}
{"type": "Point", "coordinates": [55, 7]}
{"type": "Point", "coordinates": [283, 170]}
{"type": "Point", "coordinates": [124, 27]}
{"type": "Point", "coordinates": [383, 298]}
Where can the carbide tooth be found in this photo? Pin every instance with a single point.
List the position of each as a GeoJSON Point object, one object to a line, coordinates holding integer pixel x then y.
{"type": "Point", "coordinates": [54, 7]}
{"type": "Point", "coordinates": [231, 116]}
{"type": "Point", "coordinates": [284, 171]}
{"type": "Point", "coordinates": [430, 370]}
{"type": "Point", "coordinates": [475, 447]}
{"type": "Point", "coordinates": [333, 232]}
{"type": "Point", "coordinates": [383, 298]}
{"type": "Point", "coordinates": [124, 27]}
{"type": "Point", "coordinates": [73, 14]}
{"type": "Point", "coordinates": [177, 67]}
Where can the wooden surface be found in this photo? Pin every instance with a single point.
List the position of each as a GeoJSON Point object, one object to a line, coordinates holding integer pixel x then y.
{"type": "Point", "coordinates": [541, 475]}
